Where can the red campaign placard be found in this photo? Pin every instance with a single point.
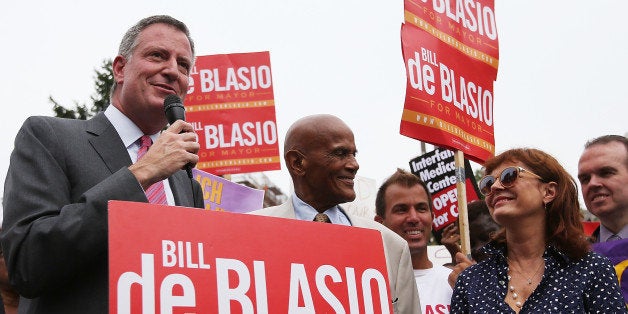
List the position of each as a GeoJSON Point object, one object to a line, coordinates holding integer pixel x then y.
{"type": "Point", "coordinates": [590, 226]}
{"type": "Point", "coordinates": [468, 26]}
{"type": "Point", "coordinates": [231, 104]}
{"type": "Point", "coordinates": [449, 96]}
{"type": "Point", "coordinates": [165, 259]}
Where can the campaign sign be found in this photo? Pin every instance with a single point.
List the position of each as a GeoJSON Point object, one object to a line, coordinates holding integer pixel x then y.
{"type": "Point", "coordinates": [590, 226]}
{"type": "Point", "coordinates": [438, 170]}
{"type": "Point", "coordinates": [468, 26]}
{"type": "Point", "coordinates": [449, 97]}
{"type": "Point", "coordinates": [167, 259]}
{"type": "Point", "coordinates": [231, 105]}
{"type": "Point", "coordinates": [223, 195]}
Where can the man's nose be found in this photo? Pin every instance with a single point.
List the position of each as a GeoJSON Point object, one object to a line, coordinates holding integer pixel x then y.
{"type": "Point", "coordinates": [413, 215]}
{"type": "Point", "coordinates": [595, 181]}
{"type": "Point", "coordinates": [353, 164]}
{"type": "Point", "coordinates": [171, 70]}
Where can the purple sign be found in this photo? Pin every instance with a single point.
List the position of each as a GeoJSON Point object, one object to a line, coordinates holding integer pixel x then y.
{"type": "Point", "coordinates": [223, 195]}
{"type": "Point", "coordinates": [617, 252]}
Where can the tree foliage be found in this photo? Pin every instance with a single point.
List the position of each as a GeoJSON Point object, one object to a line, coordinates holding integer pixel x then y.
{"type": "Point", "coordinates": [100, 99]}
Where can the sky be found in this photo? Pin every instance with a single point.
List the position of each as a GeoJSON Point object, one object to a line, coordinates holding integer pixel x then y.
{"type": "Point", "coordinates": [561, 78]}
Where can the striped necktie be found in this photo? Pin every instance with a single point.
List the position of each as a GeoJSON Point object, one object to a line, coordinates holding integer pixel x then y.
{"type": "Point", "coordinates": [155, 193]}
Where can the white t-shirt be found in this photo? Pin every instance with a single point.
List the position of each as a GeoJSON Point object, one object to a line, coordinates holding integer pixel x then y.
{"type": "Point", "coordinates": [434, 290]}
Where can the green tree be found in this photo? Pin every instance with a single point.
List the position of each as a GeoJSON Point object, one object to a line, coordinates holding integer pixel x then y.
{"type": "Point", "coordinates": [100, 99]}
{"type": "Point", "coordinates": [478, 174]}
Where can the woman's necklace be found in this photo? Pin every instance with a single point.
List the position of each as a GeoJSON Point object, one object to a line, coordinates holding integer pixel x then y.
{"type": "Point", "coordinates": [511, 287]}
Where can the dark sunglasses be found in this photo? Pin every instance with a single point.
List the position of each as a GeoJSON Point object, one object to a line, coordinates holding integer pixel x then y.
{"type": "Point", "coordinates": [507, 179]}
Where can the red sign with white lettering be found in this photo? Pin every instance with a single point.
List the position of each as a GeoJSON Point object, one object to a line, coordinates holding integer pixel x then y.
{"type": "Point", "coordinates": [468, 26]}
{"type": "Point", "coordinates": [231, 105]}
{"type": "Point", "coordinates": [165, 259]}
{"type": "Point", "coordinates": [449, 97]}
{"type": "Point", "coordinates": [438, 170]}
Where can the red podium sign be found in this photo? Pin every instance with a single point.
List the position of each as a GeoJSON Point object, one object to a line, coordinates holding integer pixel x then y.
{"type": "Point", "coordinates": [165, 259]}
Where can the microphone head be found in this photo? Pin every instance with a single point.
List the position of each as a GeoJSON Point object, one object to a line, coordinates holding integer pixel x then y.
{"type": "Point", "coordinates": [172, 100]}
{"type": "Point", "coordinates": [174, 109]}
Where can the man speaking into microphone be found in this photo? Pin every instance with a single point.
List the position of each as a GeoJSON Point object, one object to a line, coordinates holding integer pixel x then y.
{"type": "Point", "coordinates": [63, 172]}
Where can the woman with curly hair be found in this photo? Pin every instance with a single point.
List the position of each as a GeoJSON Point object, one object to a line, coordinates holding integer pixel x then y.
{"type": "Point", "coordinates": [540, 261]}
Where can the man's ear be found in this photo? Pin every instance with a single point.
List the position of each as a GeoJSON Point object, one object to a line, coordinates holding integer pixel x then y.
{"type": "Point", "coordinates": [379, 219]}
{"type": "Point", "coordinates": [117, 68]}
{"type": "Point", "coordinates": [295, 161]}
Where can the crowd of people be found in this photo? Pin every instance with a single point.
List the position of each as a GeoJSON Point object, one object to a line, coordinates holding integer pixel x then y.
{"type": "Point", "coordinates": [529, 251]}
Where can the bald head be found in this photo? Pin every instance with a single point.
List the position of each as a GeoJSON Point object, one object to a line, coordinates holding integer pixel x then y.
{"type": "Point", "coordinates": [303, 132]}
{"type": "Point", "coordinates": [319, 152]}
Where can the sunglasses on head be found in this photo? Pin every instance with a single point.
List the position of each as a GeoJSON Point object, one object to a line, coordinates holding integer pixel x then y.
{"type": "Point", "coordinates": [507, 178]}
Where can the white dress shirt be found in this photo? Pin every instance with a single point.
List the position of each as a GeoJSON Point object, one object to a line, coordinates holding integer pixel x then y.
{"type": "Point", "coordinates": [130, 135]}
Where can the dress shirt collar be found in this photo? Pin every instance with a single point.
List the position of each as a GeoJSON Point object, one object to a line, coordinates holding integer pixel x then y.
{"type": "Point", "coordinates": [130, 134]}
{"type": "Point", "coordinates": [605, 233]}
{"type": "Point", "coordinates": [304, 211]}
{"type": "Point", "coordinates": [128, 131]}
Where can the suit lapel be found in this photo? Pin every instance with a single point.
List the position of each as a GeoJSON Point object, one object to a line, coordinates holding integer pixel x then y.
{"type": "Point", "coordinates": [107, 143]}
{"type": "Point", "coordinates": [346, 215]}
{"type": "Point", "coordinates": [182, 189]}
{"type": "Point", "coordinates": [286, 210]}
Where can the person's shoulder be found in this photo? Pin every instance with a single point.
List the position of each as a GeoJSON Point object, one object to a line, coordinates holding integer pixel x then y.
{"type": "Point", "coordinates": [387, 234]}
{"type": "Point", "coordinates": [594, 258]}
{"type": "Point", "coordinates": [273, 211]}
{"type": "Point", "coordinates": [45, 123]}
{"type": "Point", "coordinates": [52, 120]}
{"type": "Point", "coordinates": [264, 211]}
{"type": "Point", "coordinates": [436, 273]}
{"type": "Point", "coordinates": [45, 127]}
{"type": "Point", "coordinates": [440, 275]}
{"type": "Point", "coordinates": [485, 268]}
{"type": "Point", "coordinates": [442, 269]}
{"type": "Point", "coordinates": [34, 121]}
{"type": "Point", "coordinates": [363, 222]}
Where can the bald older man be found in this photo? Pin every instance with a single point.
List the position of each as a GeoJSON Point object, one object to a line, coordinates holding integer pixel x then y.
{"type": "Point", "coordinates": [320, 154]}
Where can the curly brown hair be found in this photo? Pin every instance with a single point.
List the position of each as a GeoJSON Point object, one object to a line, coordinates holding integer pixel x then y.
{"type": "Point", "coordinates": [564, 228]}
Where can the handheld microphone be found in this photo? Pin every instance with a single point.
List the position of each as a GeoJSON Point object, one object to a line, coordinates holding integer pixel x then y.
{"type": "Point", "coordinates": [173, 106]}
